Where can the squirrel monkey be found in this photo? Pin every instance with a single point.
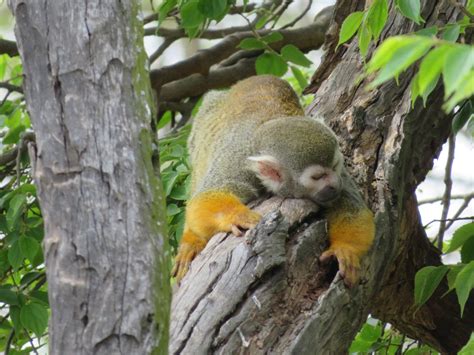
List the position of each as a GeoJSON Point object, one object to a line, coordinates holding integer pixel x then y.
{"type": "Point", "coordinates": [255, 137]}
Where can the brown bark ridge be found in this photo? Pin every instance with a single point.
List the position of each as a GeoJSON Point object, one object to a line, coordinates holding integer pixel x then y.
{"type": "Point", "coordinates": [89, 97]}
{"type": "Point", "coordinates": [270, 295]}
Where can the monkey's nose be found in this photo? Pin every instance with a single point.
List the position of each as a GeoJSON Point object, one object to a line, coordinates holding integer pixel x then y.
{"type": "Point", "coordinates": [327, 194]}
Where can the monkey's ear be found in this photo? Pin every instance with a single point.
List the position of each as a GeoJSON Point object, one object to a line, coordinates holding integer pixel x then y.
{"type": "Point", "coordinates": [268, 170]}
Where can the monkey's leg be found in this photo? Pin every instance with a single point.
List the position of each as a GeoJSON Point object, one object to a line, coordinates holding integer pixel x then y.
{"type": "Point", "coordinates": [208, 213]}
{"type": "Point", "coordinates": [350, 234]}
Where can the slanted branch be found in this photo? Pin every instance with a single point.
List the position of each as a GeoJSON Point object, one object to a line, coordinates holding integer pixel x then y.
{"type": "Point", "coordinates": [266, 292]}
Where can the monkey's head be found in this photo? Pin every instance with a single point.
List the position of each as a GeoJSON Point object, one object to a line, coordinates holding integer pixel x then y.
{"type": "Point", "coordinates": [298, 157]}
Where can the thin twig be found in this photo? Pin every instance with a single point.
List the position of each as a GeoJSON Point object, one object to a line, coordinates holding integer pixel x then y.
{"type": "Point", "coordinates": [11, 87]}
{"type": "Point", "coordinates": [9, 342]}
{"type": "Point", "coordinates": [164, 46]}
{"type": "Point", "coordinates": [31, 343]}
{"type": "Point", "coordinates": [447, 191]}
{"type": "Point", "coordinates": [440, 198]}
{"type": "Point", "coordinates": [295, 21]}
{"type": "Point", "coordinates": [470, 218]}
{"type": "Point", "coordinates": [12, 154]}
{"type": "Point", "coordinates": [460, 210]}
{"type": "Point", "coordinates": [463, 9]}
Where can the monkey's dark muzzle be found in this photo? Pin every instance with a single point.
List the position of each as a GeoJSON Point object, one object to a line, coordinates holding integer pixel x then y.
{"type": "Point", "coordinates": [327, 195]}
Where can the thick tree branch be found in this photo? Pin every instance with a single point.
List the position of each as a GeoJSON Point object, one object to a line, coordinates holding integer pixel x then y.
{"type": "Point", "coordinates": [305, 38]}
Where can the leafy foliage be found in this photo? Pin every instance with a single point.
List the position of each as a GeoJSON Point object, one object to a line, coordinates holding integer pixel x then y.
{"type": "Point", "coordinates": [23, 294]}
{"type": "Point", "coordinates": [441, 55]}
{"type": "Point", "coordinates": [460, 276]}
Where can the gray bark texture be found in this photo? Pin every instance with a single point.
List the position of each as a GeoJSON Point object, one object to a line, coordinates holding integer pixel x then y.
{"type": "Point", "coordinates": [268, 294]}
{"type": "Point", "coordinates": [88, 94]}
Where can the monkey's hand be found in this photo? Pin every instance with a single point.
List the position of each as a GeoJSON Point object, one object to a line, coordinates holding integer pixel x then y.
{"type": "Point", "coordinates": [208, 213]}
{"type": "Point", "coordinates": [215, 211]}
{"type": "Point", "coordinates": [349, 263]}
{"type": "Point", "coordinates": [351, 234]}
{"type": "Point", "coordinates": [189, 247]}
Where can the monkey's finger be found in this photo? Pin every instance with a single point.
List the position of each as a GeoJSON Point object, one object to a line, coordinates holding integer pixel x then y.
{"type": "Point", "coordinates": [236, 231]}
{"type": "Point", "coordinates": [327, 256]}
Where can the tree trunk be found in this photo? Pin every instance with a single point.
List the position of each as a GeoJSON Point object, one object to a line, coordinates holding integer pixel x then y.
{"type": "Point", "coordinates": [88, 94]}
{"type": "Point", "coordinates": [272, 296]}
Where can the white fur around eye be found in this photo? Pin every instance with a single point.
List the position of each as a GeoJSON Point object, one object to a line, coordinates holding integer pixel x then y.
{"type": "Point", "coordinates": [306, 178]}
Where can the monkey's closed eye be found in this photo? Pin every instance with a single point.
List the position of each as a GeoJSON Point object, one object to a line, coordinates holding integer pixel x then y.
{"type": "Point", "coordinates": [318, 176]}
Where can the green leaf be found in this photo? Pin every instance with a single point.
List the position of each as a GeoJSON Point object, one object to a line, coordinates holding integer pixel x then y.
{"type": "Point", "coordinates": [15, 316]}
{"type": "Point", "coordinates": [364, 38]}
{"type": "Point", "coordinates": [377, 17]}
{"type": "Point", "coordinates": [401, 59]}
{"type": "Point", "coordinates": [27, 278]}
{"type": "Point", "coordinates": [459, 61]}
{"type": "Point", "coordinates": [164, 120]}
{"type": "Point", "coordinates": [34, 317]}
{"type": "Point", "coordinates": [172, 210]}
{"type": "Point", "coordinates": [165, 8]}
{"type": "Point", "coordinates": [13, 135]}
{"type": "Point", "coordinates": [464, 284]}
{"type": "Point", "coordinates": [292, 54]}
{"type": "Point", "coordinates": [15, 257]}
{"type": "Point", "coordinates": [260, 23]}
{"type": "Point", "coordinates": [463, 91]}
{"type": "Point", "coordinates": [386, 50]}
{"type": "Point", "coordinates": [463, 116]}
{"type": "Point", "coordinates": [272, 37]}
{"type": "Point", "coordinates": [29, 247]}
{"type": "Point", "coordinates": [452, 274]}
{"type": "Point", "coordinates": [169, 181]}
{"type": "Point", "coordinates": [270, 63]}
{"type": "Point", "coordinates": [427, 280]}
{"type": "Point", "coordinates": [410, 9]}
{"type": "Point", "coordinates": [431, 67]}
{"type": "Point", "coordinates": [302, 82]}
{"type": "Point", "coordinates": [468, 349]}
{"type": "Point", "coordinates": [451, 33]}
{"type": "Point", "coordinates": [350, 26]}
{"type": "Point", "coordinates": [15, 209]}
{"type": "Point", "coordinates": [8, 297]}
{"type": "Point", "coordinates": [41, 296]}
{"type": "Point", "coordinates": [460, 236]}
{"type": "Point", "coordinates": [467, 251]}
{"type": "Point", "coordinates": [429, 89]}
{"type": "Point", "coordinates": [179, 193]}
{"type": "Point", "coordinates": [251, 43]}
{"type": "Point", "coordinates": [213, 9]}
{"type": "Point", "coordinates": [470, 6]}
{"type": "Point", "coordinates": [428, 31]}
{"type": "Point", "coordinates": [191, 17]}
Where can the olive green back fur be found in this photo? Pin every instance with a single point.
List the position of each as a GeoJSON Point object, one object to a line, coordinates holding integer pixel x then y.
{"type": "Point", "coordinates": [224, 129]}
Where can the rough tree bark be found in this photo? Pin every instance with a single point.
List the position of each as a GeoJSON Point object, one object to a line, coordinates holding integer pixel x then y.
{"type": "Point", "coordinates": [88, 94]}
{"type": "Point", "coordinates": [270, 295]}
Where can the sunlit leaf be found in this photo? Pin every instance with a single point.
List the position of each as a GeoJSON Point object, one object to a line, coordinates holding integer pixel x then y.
{"type": "Point", "coordinates": [364, 37]}
{"type": "Point", "coordinates": [270, 63]}
{"type": "Point", "coordinates": [431, 66]}
{"type": "Point", "coordinates": [459, 61]}
{"type": "Point", "coordinates": [377, 17]}
{"type": "Point", "coordinates": [451, 33]}
{"type": "Point", "coordinates": [302, 82]}
{"type": "Point", "coordinates": [350, 26]}
{"type": "Point", "coordinates": [251, 43]}
{"type": "Point", "coordinates": [464, 284]}
{"type": "Point", "coordinates": [292, 54]}
{"type": "Point", "coordinates": [410, 9]}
